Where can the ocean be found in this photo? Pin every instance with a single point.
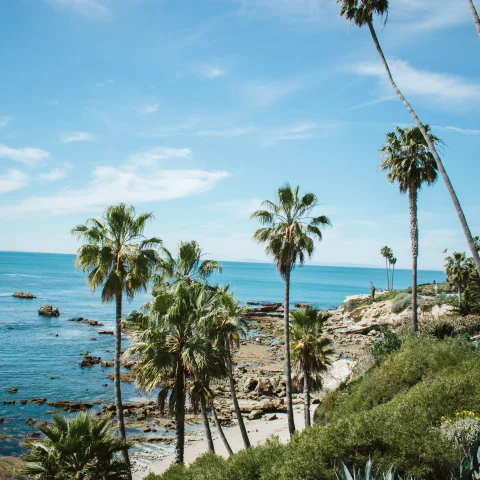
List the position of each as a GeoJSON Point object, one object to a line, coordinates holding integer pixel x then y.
{"type": "Point", "coordinates": [40, 356]}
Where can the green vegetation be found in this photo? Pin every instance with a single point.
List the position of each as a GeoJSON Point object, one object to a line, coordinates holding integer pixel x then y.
{"type": "Point", "coordinates": [83, 447]}
{"type": "Point", "coordinates": [389, 343]}
{"type": "Point", "coordinates": [289, 233]}
{"type": "Point", "coordinates": [451, 326]}
{"type": "Point", "coordinates": [353, 303]}
{"type": "Point", "coordinates": [404, 301]}
{"type": "Point", "coordinates": [393, 413]}
{"type": "Point", "coordinates": [391, 295]}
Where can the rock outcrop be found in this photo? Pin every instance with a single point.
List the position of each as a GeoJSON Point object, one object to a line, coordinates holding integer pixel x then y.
{"type": "Point", "coordinates": [93, 323]}
{"type": "Point", "coordinates": [23, 295]}
{"type": "Point", "coordinates": [49, 311]}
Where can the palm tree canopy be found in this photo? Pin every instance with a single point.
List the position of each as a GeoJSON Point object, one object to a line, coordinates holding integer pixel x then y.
{"type": "Point", "coordinates": [408, 160]}
{"type": "Point", "coordinates": [290, 231]}
{"type": "Point", "coordinates": [116, 254]}
{"type": "Point", "coordinates": [361, 12]}
{"type": "Point", "coordinates": [169, 332]}
{"type": "Point", "coordinates": [311, 350]}
{"type": "Point", "coordinates": [188, 265]}
{"type": "Point", "coordinates": [81, 447]}
{"type": "Point", "coordinates": [386, 252]}
{"type": "Point", "coordinates": [457, 269]}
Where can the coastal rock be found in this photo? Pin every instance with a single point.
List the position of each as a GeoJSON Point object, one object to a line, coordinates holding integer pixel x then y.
{"type": "Point", "coordinates": [106, 364]}
{"type": "Point", "coordinates": [105, 332]}
{"type": "Point", "coordinates": [250, 384]}
{"type": "Point", "coordinates": [23, 295]}
{"type": "Point", "coordinates": [255, 414]}
{"type": "Point", "coordinates": [271, 417]}
{"type": "Point", "coordinates": [93, 323]}
{"type": "Point", "coordinates": [11, 390]}
{"type": "Point", "coordinates": [89, 361]}
{"type": "Point", "coordinates": [302, 305]}
{"type": "Point", "coordinates": [2, 420]}
{"type": "Point", "coordinates": [31, 422]}
{"type": "Point", "coordinates": [49, 311]}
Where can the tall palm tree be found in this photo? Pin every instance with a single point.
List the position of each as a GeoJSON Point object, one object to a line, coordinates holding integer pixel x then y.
{"type": "Point", "coordinates": [289, 233]}
{"type": "Point", "coordinates": [476, 19]}
{"type": "Point", "coordinates": [169, 342]}
{"type": "Point", "coordinates": [188, 264]}
{"type": "Point", "coordinates": [393, 261]}
{"type": "Point", "coordinates": [410, 163]}
{"type": "Point", "coordinates": [386, 252]}
{"type": "Point", "coordinates": [361, 12]}
{"type": "Point", "coordinates": [457, 271]}
{"type": "Point", "coordinates": [230, 328]}
{"type": "Point", "coordinates": [83, 447]}
{"type": "Point", "coordinates": [117, 256]}
{"type": "Point", "coordinates": [311, 352]}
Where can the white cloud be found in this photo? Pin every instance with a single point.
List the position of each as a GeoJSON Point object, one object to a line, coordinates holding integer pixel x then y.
{"type": "Point", "coordinates": [77, 137]}
{"type": "Point", "coordinates": [12, 180]}
{"type": "Point", "coordinates": [299, 131]}
{"type": "Point", "coordinates": [264, 93]}
{"type": "Point", "coordinates": [92, 9]}
{"type": "Point", "coordinates": [464, 131]}
{"type": "Point", "coordinates": [26, 155]}
{"type": "Point", "coordinates": [54, 103]}
{"type": "Point", "coordinates": [146, 109]}
{"type": "Point", "coordinates": [4, 120]}
{"type": "Point", "coordinates": [441, 87]}
{"type": "Point", "coordinates": [53, 175]}
{"type": "Point", "coordinates": [209, 71]}
{"type": "Point", "coordinates": [112, 185]}
{"type": "Point", "coordinates": [153, 155]}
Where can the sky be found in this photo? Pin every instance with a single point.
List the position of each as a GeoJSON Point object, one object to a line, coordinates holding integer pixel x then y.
{"type": "Point", "coordinates": [199, 110]}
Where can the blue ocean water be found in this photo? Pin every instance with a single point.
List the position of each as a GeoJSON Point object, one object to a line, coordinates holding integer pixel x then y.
{"type": "Point", "coordinates": [40, 357]}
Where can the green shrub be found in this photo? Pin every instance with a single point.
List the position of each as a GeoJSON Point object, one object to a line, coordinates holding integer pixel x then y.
{"type": "Point", "coordinates": [389, 343]}
{"type": "Point", "coordinates": [353, 303]}
{"type": "Point", "coordinates": [391, 295]}
{"type": "Point", "coordinates": [404, 301]}
{"type": "Point", "coordinates": [428, 289]}
{"type": "Point", "coordinates": [450, 326]}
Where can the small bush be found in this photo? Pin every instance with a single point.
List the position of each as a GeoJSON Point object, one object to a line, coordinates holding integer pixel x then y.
{"type": "Point", "coordinates": [353, 303]}
{"type": "Point", "coordinates": [404, 301]}
{"type": "Point", "coordinates": [451, 326]}
{"type": "Point", "coordinates": [389, 343]}
{"type": "Point", "coordinates": [391, 295]}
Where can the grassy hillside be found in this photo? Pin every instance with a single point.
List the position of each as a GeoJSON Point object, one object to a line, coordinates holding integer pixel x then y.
{"type": "Point", "coordinates": [391, 414]}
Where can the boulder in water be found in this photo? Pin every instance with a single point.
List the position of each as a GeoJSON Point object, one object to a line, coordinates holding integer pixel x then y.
{"type": "Point", "coordinates": [23, 295]}
{"type": "Point", "coordinates": [49, 311]}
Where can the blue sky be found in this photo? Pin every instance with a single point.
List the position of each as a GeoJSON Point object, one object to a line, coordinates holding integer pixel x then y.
{"type": "Point", "coordinates": [198, 110]}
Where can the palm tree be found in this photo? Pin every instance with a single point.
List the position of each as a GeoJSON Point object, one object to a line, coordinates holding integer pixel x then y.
{"type": "Point", "coordinates": [82, 447]}
{"type": "Point", "coordinates": [361, 12]}
{"type": "Point", "coordinates": [386, 252]}
{"type": "Point", "coordinates": [230, 329]}
{"type": "Point", "coordinates": [188, 265]}
{"type": "Point", "coordinates": [170, 345]}
{"type": "Point", "coordinates": [476, 19]}
{"type": "Point", "coordinates": [311, 352]}
{"type": "Point", "coordinates": [457, 271]}
{"type": "Point", "coordinates": [117, 256]}
{"type": "Point", "coordinates": [410, 163]}
{"type": "Point", "coordinates": [393, 261]}
{"type": "Point", "coordinates": [289, 235]}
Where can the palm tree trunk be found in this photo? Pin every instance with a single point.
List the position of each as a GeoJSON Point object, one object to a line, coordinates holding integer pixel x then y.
{"type": "Point", "coordinates": [306, 399]}
{"type": "Point", "coordinates": [431, 146]}
{"type": "Point", "coordinates": [393, 274]}
{"type": "Point", "coordinates": [288, 367]}
{"type": "Point", "coordinates": [459, 293]}
{"type": "Point", "coordinates": [180, 413]}
{"type": "Point", "coordinates": [386, 270]}
{"type": "Point", "coordinates": [476, 20]}
{"type": "Point", "coordinates": [412, 200]}
{"type": "Point", "coordinates": [206, 424]}
{"type": "Point", "coordinates": [238, 413]}
{"type": "Point", "coordinates": [220, 431]}
{"type": "Point", "coordinates": [116, 378]}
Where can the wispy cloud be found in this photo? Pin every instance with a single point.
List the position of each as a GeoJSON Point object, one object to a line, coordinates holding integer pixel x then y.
{"type": "Point", "coordinates": [77, 137]}
{"type": "Point", "coordinates": [152, 156]}
{"type": "Point", "coordinates": [464, 131]}
{"type": "Point", "coordinates": [26, 155]}
{"type": "Point", "coordinates": [439, 86]}
{"type": "Point", "coordinates": [299, 131]}
{"type": "Point", "coordinates": [92, 9]}
{"type": "Point", "coordinates": [372, 102]}
{"type": "Point", "coordinates": [111, 185]}
{"type": "Point", "coordinates": [148, 108]}
{"type": "Point", "coordinates": [264, 93]}
{"type": "Point", "coordinates": [4, 120]}
{"type": "Point", "coordinates": [53, 103]}
{"type": "Point", "coordinates": [209, 71]}
{"type": "Point", "coordinates": [53, 175]}
{"type": "Point", "coordinates": [226, 132]}
{"type": "Point", "coordinates": [12, 180]}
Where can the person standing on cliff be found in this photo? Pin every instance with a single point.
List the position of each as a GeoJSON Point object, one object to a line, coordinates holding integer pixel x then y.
{"type": "Point", "coordinates": [372, 291]}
